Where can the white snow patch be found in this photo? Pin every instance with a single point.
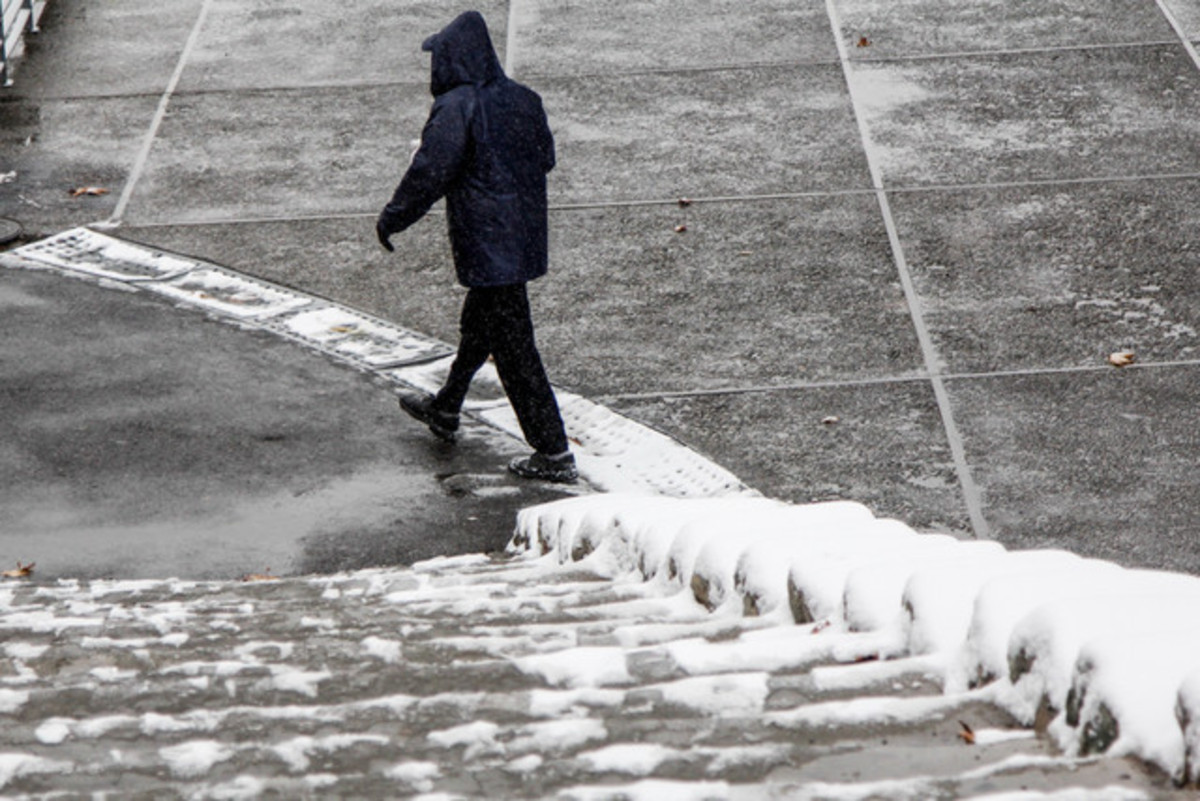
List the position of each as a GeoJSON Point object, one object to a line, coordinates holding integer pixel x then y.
{"type": "Point", "coordinates": [476, 736]}
{"type": "Point", "coordinates": [388, 651]}
{"type": "Point", "coordinates": [418, 775]}
{"type": "Point", "coordinates": [650, 790]}
{"type": "Point", "coordinates": [578, 667]}
{"type": "Point", "coordinates": [1112, 793]}
{"type": "Point", "coordinates": [556, 736]}
{"type": "Point", "coordinates": [873, 711]}
{"type": "Point", "coordinates": [24, 650]}
{"type": "Point", "coordinates": [12, 700]}
{"type": "Point", "coordinates": [53, 731]}
{"type": "Point", "coordinates": [553, 703]}
{"type": "Point", "coordinates": [635, 759]}
{"type": "Point", "coordinates": [719, 695]}
{"type": "Point", "coordinates": [526, 764]}
{"type": "Point", "coordinates": [16, 765]}
{"type": "Point", "coordinates": [195, 757]}
{"type": "Point", "coordinates": [243, 788]}
{"type": "Point", "coordinates": [295, 752]}
{"type": "Point", "coordinates": [287, 679]}
{"type": "Point", "coordinates": [986, 737]}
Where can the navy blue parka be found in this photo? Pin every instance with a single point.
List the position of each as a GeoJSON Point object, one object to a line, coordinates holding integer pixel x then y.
{"type": "Point", "coordinates": [486, 148]}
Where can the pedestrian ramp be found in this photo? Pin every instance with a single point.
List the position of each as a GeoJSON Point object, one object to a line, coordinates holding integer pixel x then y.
{"type": "Point", "coordinates": [614, 452]}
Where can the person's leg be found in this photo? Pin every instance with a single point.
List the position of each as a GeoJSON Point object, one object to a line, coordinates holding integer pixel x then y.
{"type": "Point", "coordinates": [522, 373]}
{"type": "Point", "coordinates": [474, 347]}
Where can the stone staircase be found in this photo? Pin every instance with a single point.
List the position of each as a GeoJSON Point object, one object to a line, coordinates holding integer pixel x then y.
{"type": "Point", "coordinates": [479, 677]}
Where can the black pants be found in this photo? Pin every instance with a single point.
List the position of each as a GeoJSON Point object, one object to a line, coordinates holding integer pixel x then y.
{"type": "Point", "coordinates": [496, 322]}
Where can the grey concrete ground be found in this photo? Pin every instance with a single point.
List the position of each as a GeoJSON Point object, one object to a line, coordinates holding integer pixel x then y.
{"type": "Point", "coordinates": [932, 221]}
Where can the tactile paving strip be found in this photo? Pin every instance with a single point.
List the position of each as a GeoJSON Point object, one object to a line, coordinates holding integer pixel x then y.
{"type": "Point", "coordinates": [617, 454]}
{"type": "Point", "coordinates": [359, 338]}
{"type": "Point", "coordinates": [85, 251]}
{"type": "Point", "coordinates": [216, 289]}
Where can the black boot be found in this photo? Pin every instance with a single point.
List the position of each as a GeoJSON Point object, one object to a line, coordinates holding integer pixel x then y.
{"type": "Point", "coordinates": [442, 424]}
{"type": "Point", "coordinates": [559, 469]}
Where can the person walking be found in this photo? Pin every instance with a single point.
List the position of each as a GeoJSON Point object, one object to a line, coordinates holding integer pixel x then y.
{"type": "Point", "coordinates": [486, 148]}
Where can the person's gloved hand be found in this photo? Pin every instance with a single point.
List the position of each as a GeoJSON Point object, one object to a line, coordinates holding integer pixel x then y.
{"type": "Point", "coordinates": [383, 237]}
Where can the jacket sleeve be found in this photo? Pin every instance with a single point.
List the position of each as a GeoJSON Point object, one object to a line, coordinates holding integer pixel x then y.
{"type": "Point", "coordinates": [435, 166]}
{"type": "Point", "coordinates": [546, 144]}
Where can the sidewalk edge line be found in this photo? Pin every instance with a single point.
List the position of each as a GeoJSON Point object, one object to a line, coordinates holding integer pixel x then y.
{"type": "Point", "coordinates": [160, 113]}
{"type": "Point", "coordinates": [970, 491]}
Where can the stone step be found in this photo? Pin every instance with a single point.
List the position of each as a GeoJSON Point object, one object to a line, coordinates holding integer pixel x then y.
{"type": "Point", "coordinates": [478, 678]}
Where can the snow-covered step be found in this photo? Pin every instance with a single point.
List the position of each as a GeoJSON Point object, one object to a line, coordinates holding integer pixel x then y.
{"type": "Point", "coordinates": [475, 677]}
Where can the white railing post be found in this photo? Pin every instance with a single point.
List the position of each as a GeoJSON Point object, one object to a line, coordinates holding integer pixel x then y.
{"type": "Point", "coordinates": [17, 17]}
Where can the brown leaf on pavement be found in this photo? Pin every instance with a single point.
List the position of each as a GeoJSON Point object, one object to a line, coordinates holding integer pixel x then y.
{"type": "Point", "coordinates": [88, 190]}
{"type": "Point", "coordinates": [864, 42]}
{"type": "Point", "coordinates": [1122, 358]}
{"type": "Point", "coordinates": [22, 571]}
{"type": "Point", "coordinates": [966, 735]}
{"type": "Point", "coordinates": [264, 576]}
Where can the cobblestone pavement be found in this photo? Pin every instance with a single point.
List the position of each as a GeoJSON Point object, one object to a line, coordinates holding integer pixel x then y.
{"type": "Point", "coordinates": [480, 677]}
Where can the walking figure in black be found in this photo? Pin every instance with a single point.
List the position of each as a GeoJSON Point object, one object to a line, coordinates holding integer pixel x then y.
{"type": "Point", "coordinates": [486, 148]}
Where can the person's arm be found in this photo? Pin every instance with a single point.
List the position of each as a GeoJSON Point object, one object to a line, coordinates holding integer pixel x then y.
{"type": "Point", "coordinates": [546, 142]}
{"type": "Point", "coordinates": [434, 167]}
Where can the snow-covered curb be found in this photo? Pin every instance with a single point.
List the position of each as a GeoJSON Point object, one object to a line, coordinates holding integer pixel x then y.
{"type": "Point", "coordinates": [1099, 656]}
{"type": "Point", "coordinates": [614, 453]}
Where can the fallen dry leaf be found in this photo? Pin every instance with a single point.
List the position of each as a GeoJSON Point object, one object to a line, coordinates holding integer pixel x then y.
{"type": "Point", "coordinates": [864, 42]}
{"type": "Point", "coordinates": [88, 190]}
{"type": "Point", "coordinates": [1122, 358]}
{"type": "Point", "coordinates": [264, 576]}
{"type": "Point", "coordinates": [22, 571]}
{"type": "Point", "coordinates": [966, 735]}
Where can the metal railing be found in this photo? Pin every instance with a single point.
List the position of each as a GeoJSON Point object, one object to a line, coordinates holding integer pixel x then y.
{"type": "Point", "coordinates": [17, 18]}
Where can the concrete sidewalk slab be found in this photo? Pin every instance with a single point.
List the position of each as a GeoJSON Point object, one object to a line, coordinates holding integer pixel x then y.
{"type": "Point", "coordinates": [730, 302]}
{"type": "Point", "coordinates": [278, 153]}
{"type": "Point", "coordinates": [105, 48]}
{"type": "Point", "coordinates": [668, 135]}
{"type": "Point", "coordinates": [261, 44]}
{"type": "Point", "coordinates": [1101, 463]}
{"type": "Point", "coordinates": [554, 39]}
{"type": "Point", "coordinates": [1052, 277]}
{"type": "Point", "coordinates": [887, 448]}
{"type": "Point", "coordinates": [1033, 116]}
{"type": "Point", "coordinates": [57, 146]}
{"type": "Point", "coordinates": [933, 27]}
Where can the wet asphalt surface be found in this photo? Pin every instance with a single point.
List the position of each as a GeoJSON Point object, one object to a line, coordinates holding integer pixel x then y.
{"type": "Point", "coordinates": [142, 440]}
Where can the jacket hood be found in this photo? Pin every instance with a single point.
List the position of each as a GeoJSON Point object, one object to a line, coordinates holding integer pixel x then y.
{"type": "Point", "coordinates": [462, 53]}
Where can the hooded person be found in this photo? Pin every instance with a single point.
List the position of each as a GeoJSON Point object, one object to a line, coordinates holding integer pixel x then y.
{"type": "Point", "coordinates": [486, 148]}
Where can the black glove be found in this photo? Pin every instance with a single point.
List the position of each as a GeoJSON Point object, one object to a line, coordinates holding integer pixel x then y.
{"type": "Point", "coordinates": [383, 237]}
